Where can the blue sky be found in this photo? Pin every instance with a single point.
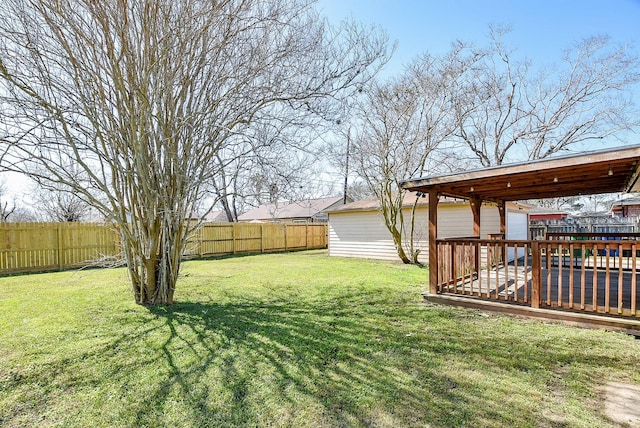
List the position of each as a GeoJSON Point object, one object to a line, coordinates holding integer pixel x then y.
{"type": "Point", "coordinates": [541, 29]}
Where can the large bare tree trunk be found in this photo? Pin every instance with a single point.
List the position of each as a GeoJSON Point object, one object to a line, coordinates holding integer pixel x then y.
{"type": "Point", "coordinates": [399, 243]}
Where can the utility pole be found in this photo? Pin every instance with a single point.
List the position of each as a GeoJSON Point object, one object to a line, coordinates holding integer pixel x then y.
{"type": "Point", "coordinates": [346, 167]}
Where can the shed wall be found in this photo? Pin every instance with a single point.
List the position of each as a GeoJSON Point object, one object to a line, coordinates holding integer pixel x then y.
{"type": "Point", "coordinates": [363, 234]}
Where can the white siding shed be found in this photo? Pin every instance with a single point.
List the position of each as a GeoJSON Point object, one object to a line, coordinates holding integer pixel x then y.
{"type": "Point", "coordinates": [358, 229]}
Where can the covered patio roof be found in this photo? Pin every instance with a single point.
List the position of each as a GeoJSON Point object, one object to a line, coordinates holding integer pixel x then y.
{"type": "Point", "coordinates": [604, 171]}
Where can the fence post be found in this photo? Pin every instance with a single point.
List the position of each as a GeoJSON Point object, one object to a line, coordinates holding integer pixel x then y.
{"type": "Point", "coordinates": [60, 247]}
{"type": "Point", "coordinates": [536, 284]}
{"type": "Point", "coordinates": [326, 236]}
{"type": "Point", "coordinates": [306, 235]}
{"type": "Point", "coordinates": [285, 237]}
{"type": "Point", "coordinates": [233, 234]}
{"type": "Point", "coordinates": [261, 238]}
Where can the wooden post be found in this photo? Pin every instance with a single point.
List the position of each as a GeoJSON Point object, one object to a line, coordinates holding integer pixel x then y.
{"type": "Point", "coordinates": [503, 228]}
{"type": "Point", "coordinates": [433, 236]}
{"type": "Point", "coordinates": [536, 284]}
{"type": "Point", "coordinates": [234, 236]}
{"type": "Point", "coordinates": [285, 237]}
{"type": "Point", "coordinates": [503, 218]}
{"type": "Point", "coordinates": [453, 267]}
{"type": "Point", "coordinates": [261, 238]}
{"type": "Point", "coordinates": [60, 247]}
{"type": "Point", "coordinates": [476, 205]}
{"type": "Point", "coordinates": [306, 234]}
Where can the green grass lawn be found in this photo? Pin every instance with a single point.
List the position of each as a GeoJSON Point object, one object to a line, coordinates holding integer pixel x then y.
{"type": "Point", "coordinates": [295, 339]}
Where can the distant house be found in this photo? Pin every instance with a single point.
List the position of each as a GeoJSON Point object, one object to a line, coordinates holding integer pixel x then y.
{"type": "Point", "coordinates": [306, 211]}
{"type": "Point", "coordinates": [210, 217]}
{"type": "Point", "coordinates": [358, 229]}
{"type": "Point", "coordinates": [544, 214]}
{"type": "Point", "coordinates": [216, 217]}
{"type": "Point", "coordinates": [629, 207]}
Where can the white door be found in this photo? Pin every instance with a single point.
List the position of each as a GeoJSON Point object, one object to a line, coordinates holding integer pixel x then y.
{"type": "Point", "coordinates": [517, 228]}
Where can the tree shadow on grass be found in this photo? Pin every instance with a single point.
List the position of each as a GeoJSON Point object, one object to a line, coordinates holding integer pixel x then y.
{"type": "Point", "coordinates": [280, 355]}
{"type": "Point", "coordinates": [346, 361]}
{"type": "Point", "coordinates": [287, 363]}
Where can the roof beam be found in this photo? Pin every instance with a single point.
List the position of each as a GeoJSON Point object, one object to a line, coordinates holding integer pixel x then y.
{"type": "Point", "coordinates": [591, 173]}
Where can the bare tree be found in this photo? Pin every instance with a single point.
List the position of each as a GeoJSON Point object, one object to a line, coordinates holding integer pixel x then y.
{"type": "Point", "coordinates": [400, 125]}
{"type": "Point", "coordinates": [598, 203]}
{"type": "Point", "coordinates": [141, 96]}
{"type": "Point", "coordinates": [565, 203]}
{"type": "Point", "coordinates": [358, 190]}
{"type": "Point", "coordinates": [508, 112]}
{"type": "Point", "coordinates": [10, 209]}
{"type": "Point", "coordinates": [7, 208]}
{"type": "Point", "coordinates": [59, 204]}
{"type": "Point", "coordinates": [272, 162]}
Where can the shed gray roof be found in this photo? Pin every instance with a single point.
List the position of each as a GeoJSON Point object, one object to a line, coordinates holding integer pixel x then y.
{"type": "Point", "coordinates": [373, 204]}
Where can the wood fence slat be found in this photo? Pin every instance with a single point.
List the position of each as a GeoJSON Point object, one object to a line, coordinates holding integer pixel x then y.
{"type": "Point", "coordinates": [583, 262]}
{"type": "Point", "coordinates": [454, 267]}
{"type": "Point", "coordinates": [548, 257]}
{"type": "Point", "coordinates": [536, 277]}
{"type": "Point", "coordinates": [526, 269]}
{"type": "Point", "coordinates": [496, 270]}
{"type": "Point", "coordinates": [506, 271]}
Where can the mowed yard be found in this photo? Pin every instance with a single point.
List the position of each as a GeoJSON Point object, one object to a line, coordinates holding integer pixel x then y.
{"type": "Point", "coordinates": [297, 339]}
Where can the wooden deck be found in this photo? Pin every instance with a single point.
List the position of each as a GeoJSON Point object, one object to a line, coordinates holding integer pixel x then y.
{"type": "Point", "coordinates": [601, 296]}
{"type": "Point", "coordinates": [456, 263]}
{"type": "Point", "coordinates": [582, 319]}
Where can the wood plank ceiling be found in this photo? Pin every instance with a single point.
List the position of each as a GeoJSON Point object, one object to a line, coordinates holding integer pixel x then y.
{"type": "Point", "coordinates": [607, 171]}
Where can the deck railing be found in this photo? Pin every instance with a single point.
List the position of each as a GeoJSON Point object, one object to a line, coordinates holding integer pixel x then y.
{"type": "Point", "coordinates": [584, 275]}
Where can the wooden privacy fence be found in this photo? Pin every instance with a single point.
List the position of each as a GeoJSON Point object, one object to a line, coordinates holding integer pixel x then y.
{"type": "Point", "coordinates": [231, 238]}
{"type": "Point", "coordinates": [32, 247]}
{"type": "Point", "coordinates": [26, 247]}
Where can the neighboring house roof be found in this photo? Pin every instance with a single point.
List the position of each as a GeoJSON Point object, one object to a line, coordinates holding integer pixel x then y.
{"type": "Point", "coordinates": [300, 209]}
{"type": "Point", "coordinates": [216, 217]}
{"type": "Point", "coordinates": [626, 202]}
{"type": "Point", "coordinates": [593, 214]}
